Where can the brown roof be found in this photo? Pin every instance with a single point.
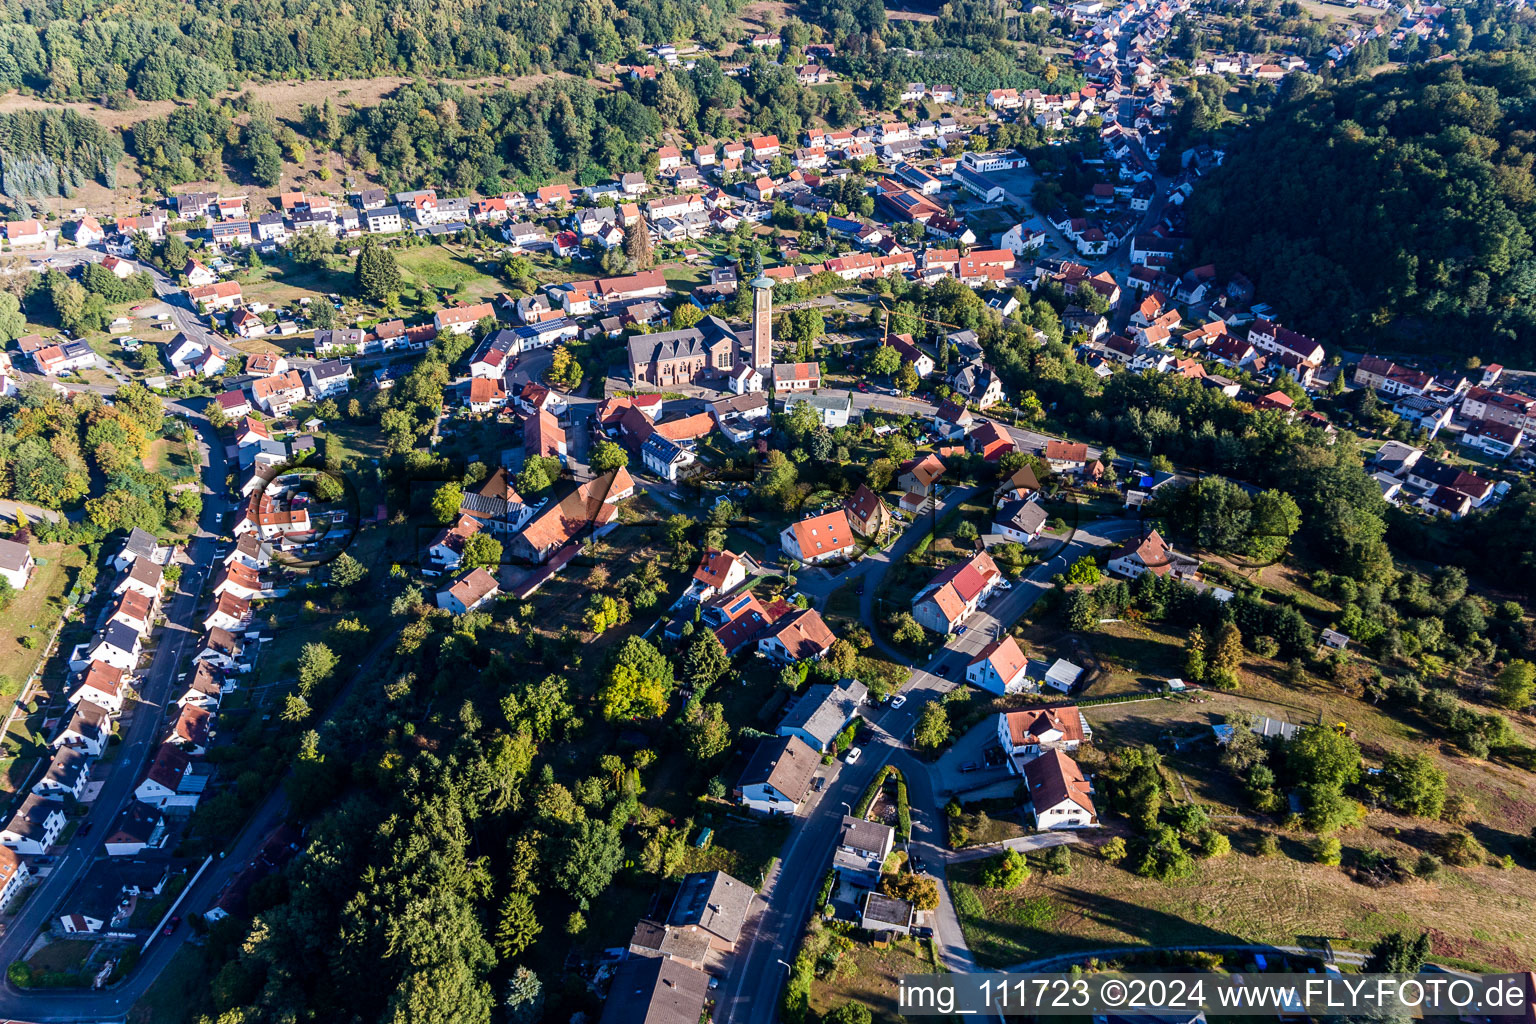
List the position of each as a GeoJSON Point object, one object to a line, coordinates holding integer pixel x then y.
{"type": "Point", "coordinates": [192, 725]}
{"type": "Point", "coordinates": [787, 763]}
{"type": "Point", "coordinates": [926, 469]}
{"type": "Point", "coordinates": [145, 571]}
{"type": "Point", "coordinates": [203, 680]}
{"type": "Point", "coordinates": [1053, 777]}
{"type": "Point", "coordinates": [473, 586]}
{"type": "Point", "coordinates": [221, 640]}
{"type": "Point", "coordinates": [563, 520]}
{"type": "Point", "coordinates": [169, 765]}
{"type": "Point", "coordinates": [715, 567]}
{"type": "Point", "coordinates": [655, 990]}
{"type": "Point", "coordinates": [745, 620]}
{"type": "Point", "coordinates": [823, 534]}
{"type": "Point", "coordinates": [13, 555]}
{"type": "Point", "coordinates": [542, 435]}
{"type": "Point", "coordinates": [865, 505]}
{"type": "Point", "coordinates": [103, 677]}
{"type": "Point", "coordinates": [134, 824]}
{"type": "Point", "coordinates": [132, 604]}
{"type": "Point", "coordinates": [1066, 451]}
{"type": "Point", "coordinates": [1027, 726]}
{"type": "Point", "coordinates": [465, 314]}
{"type": "Point", "coordinates": [266, 387]}
{"type": "Point", "coordinates": [239, 573]}
{"type": "Point", "coordinates": [803, 634]}
{"type": "Point", "coordinates": [1151, 550]}
{"type": "Point", "coordinates": [486, 389]}
{"type": "Point", "coordinates": [1024, 477]}
{"type": "Point", "coordinates": [686, 428]}
{"type": "Point", "coordinates": [1005, 656]}
{"type": "Point", "coordinates": [233, 605]}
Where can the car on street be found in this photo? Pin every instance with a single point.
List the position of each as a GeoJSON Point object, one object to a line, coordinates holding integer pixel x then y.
{"type": "Point", "coordinates": [960, 630]}
{"type": "Point", "coordinates": [1004, 585]}
{"type": "Point", "coordinates": [853, 756]}
{"type": "Point", "coordinates": [919, 865]}
{"type": "Point", "coordinates": [942, 670]}
{"type": "Point", "coordinates": [898, 700]}
{"type": "Point", "coordinates": [969, 766]}
{"type": "Point", "coordinates": [170, 926]}
{"type": "Point", "coordinates": [85, 829]}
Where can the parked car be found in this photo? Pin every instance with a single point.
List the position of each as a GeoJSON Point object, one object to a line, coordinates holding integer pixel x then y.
{"type": "Point", "coordinates": [898, 700]}
{"type": "Point", "coordinates": [853, 755]}
{"type": "Point", "coordinates": [170, 926]}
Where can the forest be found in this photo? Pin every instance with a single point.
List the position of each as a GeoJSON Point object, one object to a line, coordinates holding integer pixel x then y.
{"type": "Point", "coordinates": [1402, 215]}
{"type": "Point", "coordinates": [161, 50]}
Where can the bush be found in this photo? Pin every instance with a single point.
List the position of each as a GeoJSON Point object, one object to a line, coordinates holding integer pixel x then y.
{"type": "Point", "coordinates": [1213, 843]}
{"type": "Point", "coordinates": [1269, 845]}
{"type": "Point", "coordinates": [1461, 849]}
{"type": "Point", "coordinates": [1113, 851]}
{"type": "Point", "coordinates": [1428, 866]}
{"type": "Point", "coordinates": [1327, 851]}
{"type": "Point", "coordinates": [1008, 870]}
{"type": "Point", "coordinates": [1058, 860]}
{"type": "Point", "coordinates": [1265, 646]}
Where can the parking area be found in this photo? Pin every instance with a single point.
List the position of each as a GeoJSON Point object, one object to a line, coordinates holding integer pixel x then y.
{"type": "Point", "coordinates": [952, 774]}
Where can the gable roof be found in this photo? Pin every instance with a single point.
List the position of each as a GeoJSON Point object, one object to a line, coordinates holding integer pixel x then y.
{"type": "Point", "coordinates": [823, 534]}
{"type": "Point", "coordinates": [1005, 656]}
{"type": "Point", "coordinates": [473, 586]}
{"type": "Point", "coordinates": [787, 763]}
{"type": "Point", "coordinates": [655, 990]}
{"type": "Point", "coordinates": [1052, 778]}
{"type": "Point", "coordinates": [803, 634]}
{"type": "Point", "coordinates": [865, 505]}
{"type": "Point", "coordinates": [825, 708]}
{"type": "Point", "coordinates": [1027, 726]}
{"type": "Point", "coordinates": [713, 901]}
{"type": "Point", "coordinates": [925, 468]}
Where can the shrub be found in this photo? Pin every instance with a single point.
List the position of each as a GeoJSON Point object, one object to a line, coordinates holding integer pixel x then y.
{"type": "Point", "coordinates": [1058, 860]}
{"type": "Point", "coordinates": [1213, 843]}
{"type": "Point", "coordinates": [1461, 849]}
{"type": "Point", "coordinates": [1269, 845]}
{"type": "Point", "coordinates": [1265, 646]}
{"type": "Point", "coordinates": [1428, 866]}
{"type": "Point", "coordinates": [1113, 851]}
{"type": "Point", "coordinates": [1327, 851]}
{"type": "Point", "coordinates": [1008, 870]}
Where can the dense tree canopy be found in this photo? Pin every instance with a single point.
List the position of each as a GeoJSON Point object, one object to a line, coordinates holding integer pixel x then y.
{"type": "Point", "coordinates": [1402, 211]}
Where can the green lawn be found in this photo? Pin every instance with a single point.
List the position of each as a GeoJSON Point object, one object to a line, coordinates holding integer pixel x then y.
{"type": "Point", "coordinates": [438, 274]}
{"type": "Point", "coordinates": [176, 993]}
{"type": "Point", "coordinates": [33, 613]}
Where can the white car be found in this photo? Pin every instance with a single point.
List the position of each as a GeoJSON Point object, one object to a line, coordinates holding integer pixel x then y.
{"type": "Point", "coordinates": [853, 756]}
{"type": "Point", "coordinates": [898, 700]}
{"type": "Point", "coordinates": [1004, 585]}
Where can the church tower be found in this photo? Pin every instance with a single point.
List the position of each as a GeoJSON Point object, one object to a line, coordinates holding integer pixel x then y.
{"type": "Point", "coordinates": [762, 322]}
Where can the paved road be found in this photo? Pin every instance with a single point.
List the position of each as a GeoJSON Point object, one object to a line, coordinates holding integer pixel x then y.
{"type": "Point", "coordinates": [140, 739]}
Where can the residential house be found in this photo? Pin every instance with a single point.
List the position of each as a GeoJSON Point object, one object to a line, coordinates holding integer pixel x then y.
{"type": "Point", "coordinates": [229, 612]}
{"type": "Point", "coordinates": [777, 779]}
{"type": "Point", "coordinates": [823, 711]}
{"type": "Point", "coordinates": [1059, 794]}
{"type": "Point", "coordinates": [239, 579]}
{"type": "Point", "coordinates": [170, 782]}
{"type": "Point", "coordinates": [990, 441]}
{"type": "Point", "coordinates": [87, 729]}
{"type": "Point", "coordinates": [977, 384]}
{"type": "Point", "coordinates": [1062, 675]}
{"type": "Point", "coordinates": [468, 592]}
{"type": "Point", "coordinates": [714, 904]}
{"type": "Point", "coordinates": [952, 595]}
{"type": "Point", "coordinates": [1066, 457]}
{"type": "Point", "coordinates": [591, 506]}
{"type": "Point", "coordinates": [1000, 667]}
{"type": "Point", "coordinates": [665, 458]}
{"type": "Point", "coordinates": [14, 873]}
{"type": "Point", "coordinates": [143, 576]}
{"type": "Point", "coordinates": [952, 420]}
{"type": "Point", "coordinates": [832, 411]}
{"type": "Point", "coordinates": [16, 563]}
{"type": "Point", "coordinates": [797, 636]}
{"type": "Point", "coordinates": [35, 826]}
{"type": "Point", "coordinates": [882, 913]}
{"type": "Point", "coordinates": [867, 513]}
{"type": "Point", "coordinates": [819, 538]}
{"type": "Point", "coordinates": [102, 685]}
{"type": "Point", "coordinates": [192, 730]}
{"type": "Point", "coordinates": [796, 377]}
{"type": "Point", "coordinates": [137, 827]}
{"type": "Point", "coordinates": [1024, 735]}
{"type": "Point", "coordinates": [1151, 554]}
{"type": "Point", "coordinates": [220, 649]}
{"type": "Point", "coordinates": [65, 776]}
{"type": "Point", "coordinates": [719, 572]}
{"type": "Point", "coordinates": [1019, 521]}
{"type": "Point", "coordinates": [655, 990]}
{"type": "Point", "coordinates": [329, 378]}
{"type": "Point", "coordinates": [461, 319]}
{"type": "Point", "coordinates": [115, 644]}
{"type": "Point", "coordinates": [862, 849]}
{"type": "Point", "coordinates": [134, 610]}
{"type": "Point", "coordinates": [277, 394]}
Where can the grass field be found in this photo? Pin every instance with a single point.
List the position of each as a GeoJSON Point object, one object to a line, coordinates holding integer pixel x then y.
{"type": "Point", "coordinates": [872, 978]}
{"type": "Point", "coordinates": [1477, 916]}
{"type": "Point", "coordinates": [33, 612]}
{"type": "Point", "coordinates": [177, 993]}
{"type": "Point", "coordinates": [436, 275]}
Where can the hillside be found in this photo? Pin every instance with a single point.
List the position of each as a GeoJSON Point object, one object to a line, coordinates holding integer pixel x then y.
{"type": "Point", "coordinates": [1397, 210]}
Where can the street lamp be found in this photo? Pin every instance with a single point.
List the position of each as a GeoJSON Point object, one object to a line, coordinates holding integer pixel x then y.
{"type": "Point", "coordinates": [788, 968]}
{"type": "Point", "coordinates": [848, 806]}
